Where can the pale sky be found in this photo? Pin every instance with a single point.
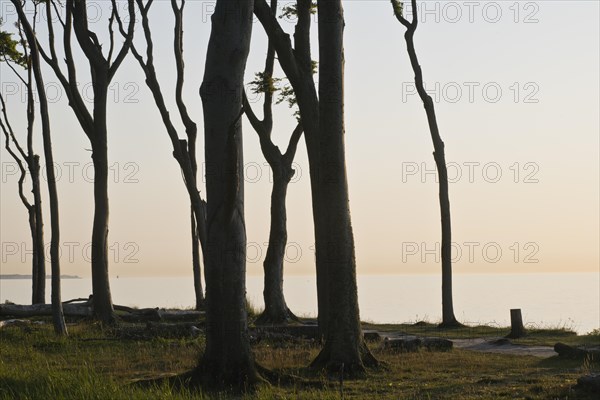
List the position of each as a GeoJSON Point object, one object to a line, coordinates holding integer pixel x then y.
{"type": "Point", "coordinates": [518, 87]}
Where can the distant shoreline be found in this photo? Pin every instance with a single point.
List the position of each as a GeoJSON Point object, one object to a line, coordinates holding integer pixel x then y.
{"type": "Point", "coordinates": [18, 276]}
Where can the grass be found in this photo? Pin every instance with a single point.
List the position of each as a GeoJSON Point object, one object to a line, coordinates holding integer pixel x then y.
{"type": "Point", "coordinates": [94, 364]}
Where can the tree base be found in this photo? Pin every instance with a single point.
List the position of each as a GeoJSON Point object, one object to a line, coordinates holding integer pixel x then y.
{"type": "Point", "coordinates": [346, 366]}
{"type": "Point", "coordinates": [454, 324]}
{"type": "Point", "coordinates": [276, 318]}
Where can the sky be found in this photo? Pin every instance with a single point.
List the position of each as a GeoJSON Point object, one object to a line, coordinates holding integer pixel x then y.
{"type": "Point", "coordinates": [516, 88]}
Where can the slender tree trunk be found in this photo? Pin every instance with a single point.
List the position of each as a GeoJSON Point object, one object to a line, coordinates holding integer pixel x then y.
{"type": "Point", "coordinates": [34, 265]}
{"type": "Point", "coordinates": [448, 317]}
{"type": "Point", "coordinates": [39, 256]}
{"type": "Point", "coordinates": [276, 310]}
{"type": "Point", "coordinates": [103, 307]}
{"type": "Point", "coordinates": [345, 347]}
{"type": "Point", "coordinates": [227, 361]}
{"type": "Point", "coordinates": [196, 262]}
{"type": "Point", "coordinates": [57, 310]}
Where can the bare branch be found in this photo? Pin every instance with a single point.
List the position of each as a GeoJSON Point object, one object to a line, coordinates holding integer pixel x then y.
{"type": "Point", "coordinates": [128, 40]}
{"type": "Point", "coordinates": [254, 121]}
{"type": "Point", "coordinates": [9, 134]}
{"type": "Point", "coordinates": [111, 34]}
{"type": "Point", "coordinates": [293, 144]}
{"type": "Point", "coordinates": [190, 126]}
{"type": "Point", "coordinates": [9, 63]}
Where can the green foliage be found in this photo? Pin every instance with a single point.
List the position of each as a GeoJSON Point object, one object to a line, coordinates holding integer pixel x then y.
{"type": "Point", "coordinates": [291, 11]}
{"type": "Point", "coordinates": [9, 51]}
{"type": "Point", "coordinates": [398, 6]}
{"type": "Point", "coordinates": [264, 83]}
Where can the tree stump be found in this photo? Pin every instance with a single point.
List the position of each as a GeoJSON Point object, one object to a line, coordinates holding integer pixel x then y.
{"type": "Point", "coordinates": [517, 330]}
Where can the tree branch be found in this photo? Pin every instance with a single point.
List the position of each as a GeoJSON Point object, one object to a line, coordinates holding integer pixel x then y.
{"type": "Point", "coordinates": [293, 144]}
{"type": "Point", "coordinates": [128, 40]}
{"type": "Point", "coordinates": [9, 134]}
{"type": "Point", "coordinates": [280, 40]}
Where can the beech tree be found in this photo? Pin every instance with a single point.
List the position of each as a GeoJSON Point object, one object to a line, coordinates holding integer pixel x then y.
{"type": "Point", "coordinates": [297, 64]}
{"type": "Point", "coordinates": [448, 318]}
{"type": "Point", "coordinates": [336, 264]}
{"type": "Point", "coordinates": [94, 124]}
{"type": "Point", "coordinates": [10, 54]}
{"type": "Point", "coordinates": [184, 151]}
{"type": "Point", "coordinates": [276, 309]}
{"type": "Point", "coordinates": [227, 360]}
{"type": "Point", "coordinates": [345, 347]}
{"type": "Point", "coordinates": [35, 64]}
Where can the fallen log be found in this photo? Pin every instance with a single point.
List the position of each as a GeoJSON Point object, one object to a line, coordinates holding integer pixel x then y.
{"type": "Point", "coordinates": [411, 344]}
{"type": "Point", "coordinates": [154, 315]}
{"type": "Point", "coordinates": [84, 309]}
{"type": "Point", "coordinates": [590, 383]}
{"type": "Point", "coordinates": [566, 351]}
{"type": "Point", "coordinates": [38, 310]}
{"type": "Point", "coordinates": [408, 344]}
{"type": "Point", "coordinates": [23, 323]}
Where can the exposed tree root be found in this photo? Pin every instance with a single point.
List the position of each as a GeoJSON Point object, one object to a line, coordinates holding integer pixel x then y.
{"type": "Point", "coordinates": [269, 317]}
{"type": "Point", "coordinates": [454, 324]}
{"type": "Point", "coordinates": [349, 366]}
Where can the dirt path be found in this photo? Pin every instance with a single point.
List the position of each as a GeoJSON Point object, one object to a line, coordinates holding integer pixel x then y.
{"type": "Point", "coordinates": [489, 345]}
{"type": "Point", "coordinates": [503, 347]}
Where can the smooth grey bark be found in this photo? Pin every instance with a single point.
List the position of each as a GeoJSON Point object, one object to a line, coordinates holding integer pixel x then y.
{"type": "Point", "coordinates": [191, 129]}
{"type": "Point", "coordinates": [227, 361]}
{"type": "Point", "coordinates": [34, 209]}
{"type": "Point", "coordinates": [276, 310]}
{"type": "Point", "coordinates": [184, 151]}
{"type": "Point", "coordinates": [103, 69]}
{"type": "Point", "coordinates": [345, 348]}
{"type": "Point", "coordinates": [39, 255]}
{"type": "Point", "coordinates": [57, 309]}
{"type": "Point", "coordinates": [296, 62]}
{"type": "Point", "coordinates": [448, 318]}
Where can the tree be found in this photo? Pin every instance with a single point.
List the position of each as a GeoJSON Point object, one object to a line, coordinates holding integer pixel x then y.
{"type": "Point", "coordinates": [184, 151]}
{"type": "Point", "coordinates": [103, 69]}
{"type": "Point", "coordinates": [10, 54]}
{"type": "Point", "coordinates": [344, 347]}
{"type": "Point", "coordinates": [336, 264]}
{"type": "Point", "coordinates": [57, 309]}
{"type": "Point", "coordinates": [276, 309]}
{"type": "Point", "coordinates": [298, 66]}
{"type": "Point", "coordinates": [227, 361]}
{"type": "Point", "coordinates": [448, 318]}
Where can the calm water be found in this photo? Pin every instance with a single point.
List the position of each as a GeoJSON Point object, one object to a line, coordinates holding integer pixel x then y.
{"type": "Point", "coordinates": [571, 300]}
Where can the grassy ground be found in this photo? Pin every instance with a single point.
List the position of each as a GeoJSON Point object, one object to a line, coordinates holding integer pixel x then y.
{"type": "Point", "coordinates": [94, 364]}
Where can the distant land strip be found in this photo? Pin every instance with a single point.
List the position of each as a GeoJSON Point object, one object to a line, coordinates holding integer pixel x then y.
{"type": "Point", "coordinates": [18, 276]}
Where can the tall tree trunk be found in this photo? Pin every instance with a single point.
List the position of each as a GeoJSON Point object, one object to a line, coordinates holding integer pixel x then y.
{"type": "Point", "coordinates": [103, 307]}
{"type": "Point", "coordinates": [57, 310]}
{"type": "Point", "coordinates": [345, 347]}
{"type": "Point", "coordinates": [448, 318]}
{"type": "Point", "coordinates": [39, 256]}
{"type": "Point", "coordinates": [227, 361]}
{"type": "Point", "coordinates": [276, 310]}
{"type": "Point", "coordinates": [297, 64]}
{"type": "Point", "coordinates": [196, 262]}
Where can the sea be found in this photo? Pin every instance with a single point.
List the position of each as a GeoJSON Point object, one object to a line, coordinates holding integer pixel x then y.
{"type": "Point", "coordinates": [547, 300]}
